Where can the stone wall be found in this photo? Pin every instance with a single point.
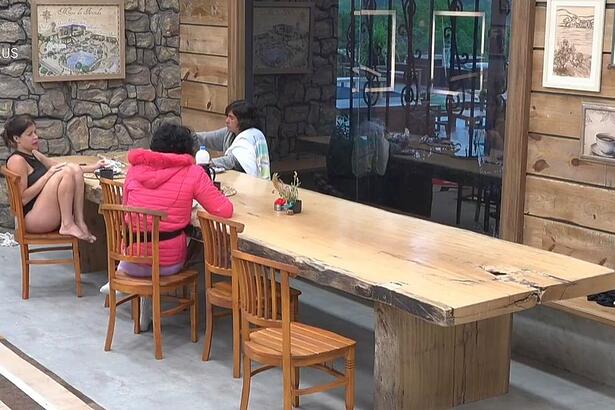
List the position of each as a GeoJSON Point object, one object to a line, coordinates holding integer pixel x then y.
{"type": "Point", "coordinates": [86, 117]}
{"type": "Point", "coordinates": [302, 104]}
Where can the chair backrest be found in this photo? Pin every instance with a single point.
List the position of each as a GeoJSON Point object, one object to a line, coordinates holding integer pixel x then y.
{"type": "Point", "coordinates": [220, 238]}
{"type": "Point", "coordinates": [132, 236]}
{"type": "Point", "coordinates": [259, 300]}
{"type": "Point", "coordinates": [14, 192]}
{"type": "Point", "coordinates": [112, 191]}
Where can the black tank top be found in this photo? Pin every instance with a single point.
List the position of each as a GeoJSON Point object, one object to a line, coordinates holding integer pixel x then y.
{"type": "Point", "coordinates": [38, 171]}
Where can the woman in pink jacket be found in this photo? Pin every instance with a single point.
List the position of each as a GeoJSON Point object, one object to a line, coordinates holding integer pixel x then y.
{"type": "Point", "coordinates": [165, 178]}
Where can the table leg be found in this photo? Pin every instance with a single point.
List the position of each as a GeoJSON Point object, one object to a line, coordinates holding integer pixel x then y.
{"type": "Point", "coordinates": [94, 255]}
{"type": "Point", "coordinates": [419, 365]}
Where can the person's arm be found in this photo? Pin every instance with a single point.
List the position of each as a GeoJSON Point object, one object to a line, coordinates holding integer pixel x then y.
{"type": "Point", "coordinates": [226, 161]}
{"type": "Point", "coordinates": [50, 162]}
{"type": "Point", "coordinates": [212, 200]}
{"type": "Point", "coordinates": [19, 165]}
{"type": "Point", "coordinates": [213, 140]}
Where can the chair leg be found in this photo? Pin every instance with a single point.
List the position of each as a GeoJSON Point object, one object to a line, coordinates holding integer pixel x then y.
{"type": "Point", "coordinates": [194, 314]}
{"type": "Point", "coordinates": [209, 327]}
{"type": "Point", "coordinates": [247, 375]}
{"type": "Point", "coordinates": [25, 272]}
{"type": "Point", "coordinates": [111, 325]}
{"type": "Point", "coordinates": [295, 377]}
{"type": "Point", "coordinates": [350, 359]}
{"type": "Point", "coordinates": [77, 266]}
{"type": "Point", "coordinates": [157, 328]}
{"type": "Point", "coordinates": [107, 301]}
{"type": "Point", "coordinates": [236, 341]}
{"type": "Point", "coordinates": [135, 306]}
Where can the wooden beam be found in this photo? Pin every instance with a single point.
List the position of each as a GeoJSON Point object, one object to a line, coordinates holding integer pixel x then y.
{"type": "Point", "coordinates": [515, 143]}
{"type": "Point", "coordinates": [237, 50]}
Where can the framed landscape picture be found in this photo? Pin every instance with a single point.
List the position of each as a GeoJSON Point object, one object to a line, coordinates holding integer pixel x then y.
{"type": "Point", "coordinates": [573, 44]}
{"type": "Point", "coordinates": [282, 38]}
{"type": "Point", "coordinates": [77, 40]}
{"type": "Point", "coordinates": [598, 133]}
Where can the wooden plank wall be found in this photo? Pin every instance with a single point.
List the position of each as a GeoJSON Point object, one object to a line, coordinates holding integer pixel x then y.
{"type": "Point", "coordinates": [204, 57]}
{"type": "Point", "coordinates": [568, 201]}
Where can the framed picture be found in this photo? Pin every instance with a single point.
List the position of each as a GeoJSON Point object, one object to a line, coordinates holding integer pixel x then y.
{"type": "Point", "coordinates": [282, 38]}
{"type": "Point", "coordinates": [598, 133]}
{"type": "Point", "coordinates": [573, 44]}
{"type": "Point", "coordinates": [77, 40]}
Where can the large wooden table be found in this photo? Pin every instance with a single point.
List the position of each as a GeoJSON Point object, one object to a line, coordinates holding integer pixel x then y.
{"type": "Point", "coordinates": [443, 297]}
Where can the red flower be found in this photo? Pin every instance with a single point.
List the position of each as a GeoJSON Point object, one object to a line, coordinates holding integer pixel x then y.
{"type": "Point", "coordinates": [279, 201]}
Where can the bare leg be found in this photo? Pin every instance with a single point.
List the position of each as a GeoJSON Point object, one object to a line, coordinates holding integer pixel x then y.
{"type": "Point", "coordinates": [66, 198]}
{"type": "Point", "coordinates": [45, 215]}
{"type": "Point", "coordinates": [49, 212]}
{"type": "Point", "coordinates": [78, 200]}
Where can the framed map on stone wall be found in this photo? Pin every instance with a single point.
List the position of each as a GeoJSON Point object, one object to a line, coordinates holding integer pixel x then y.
{"type": "Point", "coordinates": [282, 38]}
{"type": "Point", "coordinates": [77, 40]}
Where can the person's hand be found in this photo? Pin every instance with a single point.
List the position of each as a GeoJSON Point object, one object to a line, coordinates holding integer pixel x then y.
{"type": "Point", "coordinates": [101, 164]}
{"type": "Point", "coordinates": [56, 168]}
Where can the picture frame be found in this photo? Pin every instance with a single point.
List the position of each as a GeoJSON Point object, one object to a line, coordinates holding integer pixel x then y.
{"type": "Point", "coordinates": [75, 40]}
{"type": "Point", "coordinates": [598, 133]}
{"type": "Point", "coordinates": [574, 33]}
{"type": "Point", "coordinates": [282, 37]}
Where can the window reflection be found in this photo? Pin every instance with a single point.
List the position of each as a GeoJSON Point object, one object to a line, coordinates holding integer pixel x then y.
{"type": "Point", "coordinates": [430, 146]}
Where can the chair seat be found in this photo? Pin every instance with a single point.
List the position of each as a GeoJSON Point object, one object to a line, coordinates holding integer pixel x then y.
{"type": "Point", "coordinates": [54, 236]}
{"type": "Point", "coordinates": [220, 294]}
{"type": "Point", "coordinates": [143, 286]}
{"type": "Point", "coordinates": [306, 342]}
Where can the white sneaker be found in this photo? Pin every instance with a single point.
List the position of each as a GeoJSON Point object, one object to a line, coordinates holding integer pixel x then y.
{"type": "Point", "coordinates": [104, 289]}
{"type": "Point", "coordinates": [146, 314]}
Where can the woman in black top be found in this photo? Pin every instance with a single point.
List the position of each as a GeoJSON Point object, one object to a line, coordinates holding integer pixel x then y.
{"type": "Point", "coordinates": [52, 192]}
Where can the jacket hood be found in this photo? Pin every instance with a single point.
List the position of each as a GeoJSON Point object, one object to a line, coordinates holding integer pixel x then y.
{"type": "Point", "coordinates": [153, 169]}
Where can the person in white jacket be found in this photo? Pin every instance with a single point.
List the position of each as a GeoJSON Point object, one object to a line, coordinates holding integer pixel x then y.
{"type": "Point", "coordinates": [243, 143]}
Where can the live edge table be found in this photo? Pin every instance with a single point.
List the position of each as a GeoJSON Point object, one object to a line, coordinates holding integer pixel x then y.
{"type": "Point", "coordinates": [443, 297]}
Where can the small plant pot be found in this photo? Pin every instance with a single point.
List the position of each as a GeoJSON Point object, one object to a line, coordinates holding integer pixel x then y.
{"type": "Point", "coordinates": [296, 206]}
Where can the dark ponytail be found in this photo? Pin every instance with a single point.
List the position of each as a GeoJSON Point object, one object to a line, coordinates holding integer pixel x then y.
{"type": "Point", "coordinates": [14, 127]}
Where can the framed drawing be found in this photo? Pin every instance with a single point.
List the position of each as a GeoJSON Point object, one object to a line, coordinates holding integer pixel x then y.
{"type": "Point", "coordinates": [573, 44]}
{"type": "Point", "coordinates": [282, 38]}
{"type": "Point", "coordinates": [598, 133]}
{"type": "Point", "coordinates": [77, 40]}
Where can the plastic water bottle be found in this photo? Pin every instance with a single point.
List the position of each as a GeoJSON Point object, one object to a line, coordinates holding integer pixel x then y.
{"type": "Point", "coordinates": [202, 156]}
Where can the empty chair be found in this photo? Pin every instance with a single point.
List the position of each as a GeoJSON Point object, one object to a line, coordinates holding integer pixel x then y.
{"type": "Point", "coordinates": [57, 241]}
{"type": "Point", "coordinates": [133, 235]}
{"type": "Point", "coordinates": [219, 239]}
{"type": "Point", "coordinates": [285, 343]}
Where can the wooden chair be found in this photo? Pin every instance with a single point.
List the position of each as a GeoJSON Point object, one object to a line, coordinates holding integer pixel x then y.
{"type": "Point", "coordinates": [133, 236]}
{"type": "Point", "coordinates": [112, 193]}
{"type": "Point", "coordinates": [25, 239]}
{"type": "Point", "coordinates": [219, 239]}
{"type": "Point", "coordinates": [284, 343]}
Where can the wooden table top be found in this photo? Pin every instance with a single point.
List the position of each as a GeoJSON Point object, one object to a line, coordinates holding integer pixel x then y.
{"type": "Point", "coordinates": [442, 274]}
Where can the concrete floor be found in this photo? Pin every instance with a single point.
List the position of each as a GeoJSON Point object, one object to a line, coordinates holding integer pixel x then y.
{"type": "Point", "coordinates": [66, 335]}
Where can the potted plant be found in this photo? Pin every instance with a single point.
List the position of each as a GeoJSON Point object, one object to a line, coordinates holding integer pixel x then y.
{"type": "Point", "coordinates": [288, 194]}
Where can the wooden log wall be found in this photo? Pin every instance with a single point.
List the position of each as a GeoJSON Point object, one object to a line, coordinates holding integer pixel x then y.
{"type": "Point", "coordinates": [204, 58]}
{"type": "Point", "coordinates": [568, 201]}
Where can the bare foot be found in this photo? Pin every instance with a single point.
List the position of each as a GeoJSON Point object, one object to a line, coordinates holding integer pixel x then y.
{"type": "Point", "coordinates": [74, 230]}
{"type": "Point", "coordinates": [86, 231]}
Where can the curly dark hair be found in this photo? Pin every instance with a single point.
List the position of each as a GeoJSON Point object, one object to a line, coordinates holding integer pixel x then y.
{"type": "Point", "coordinates": [173, 139]}
{"type": "Point", "coordinates": [14, 127]}
{"type": "Point", "coordinates": [246, 114]}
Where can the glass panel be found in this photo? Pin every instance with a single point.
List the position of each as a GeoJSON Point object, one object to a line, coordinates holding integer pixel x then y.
{"type": "Point", "coordinates": [403, 106]}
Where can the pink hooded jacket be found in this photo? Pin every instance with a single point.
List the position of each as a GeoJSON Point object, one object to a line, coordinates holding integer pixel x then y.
{"type": "Point", "coordinates": [169, 183]}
